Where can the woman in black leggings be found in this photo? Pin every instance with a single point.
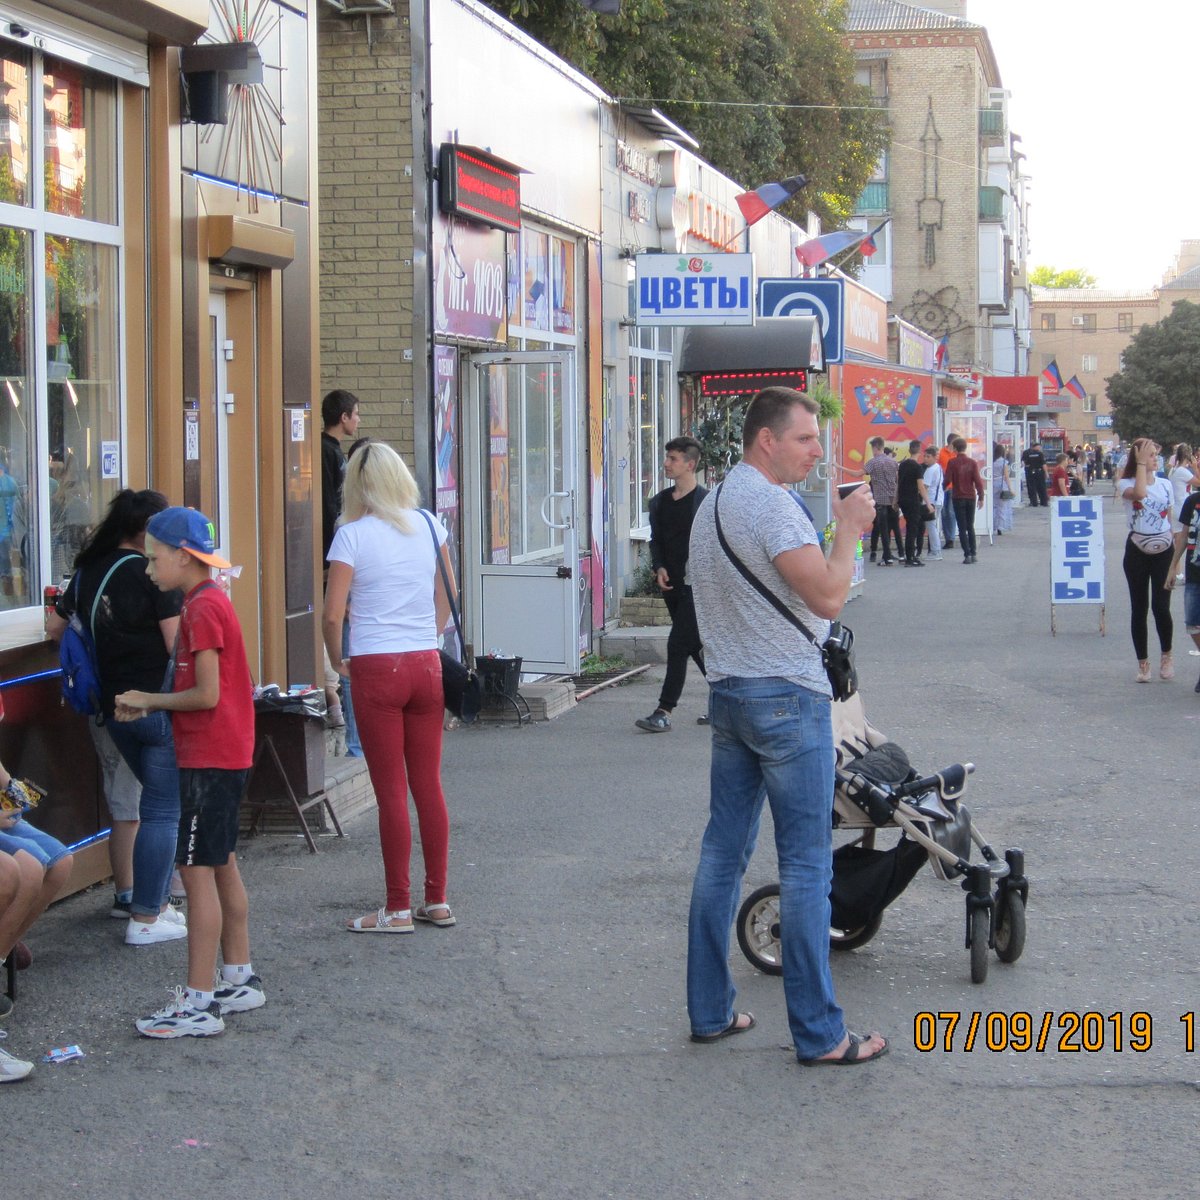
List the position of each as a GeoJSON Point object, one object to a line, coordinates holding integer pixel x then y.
{"type": "Point", "coordinates": [1147, 561]}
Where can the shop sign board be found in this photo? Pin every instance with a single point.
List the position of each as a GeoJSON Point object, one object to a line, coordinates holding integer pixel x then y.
{"type": "Point", "coordinates": [915, 348]}
{"type": "Point", "coordinates": [1076, 550]}
{"type": "Point", "coordinates": [1104, 421]}
{"type": "Point", "coordinates": [866, 322]}
{"type": "Point", "coordinates": [479, 187]}
{"type": "Point", "coordinates": [695, 289]}
{"type": "Point", "coordinates": [820, 298]}
{"type": "Point", "coordinates": [971, 381]}
{"type": "Point", "coordinates": [469, 281]}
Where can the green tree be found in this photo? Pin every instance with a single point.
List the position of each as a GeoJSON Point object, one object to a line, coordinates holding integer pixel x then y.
{"type": "Point", "coordinates": [1052, 277]}
{"type": "Point", "coordinates": [1157, 393]}
{"type": "Point", "coordinates": [765, 86]}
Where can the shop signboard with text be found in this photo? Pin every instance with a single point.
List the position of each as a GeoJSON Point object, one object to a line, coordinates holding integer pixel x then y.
{"type": "Point", "coordinates": [866, 328]}
{"type": "Point", "coordinates": [1076, 550]}
{"type": "Point", "coordinates": [469, 281]}
{"type": "Point", "coordinates": [695, 289]}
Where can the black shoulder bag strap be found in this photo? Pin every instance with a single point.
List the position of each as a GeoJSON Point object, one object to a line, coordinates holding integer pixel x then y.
{"type": "Point", "coordinates": [756, 583]}
{"type": "Point", "coordinates": [437, 554]}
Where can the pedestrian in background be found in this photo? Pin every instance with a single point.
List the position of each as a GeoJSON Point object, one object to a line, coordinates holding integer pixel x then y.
{"type": "Point", "coordinates": [913, 500]}
{"type": "Point", "coordinates": [671, 514]}
{"type": "Point", "coordinates": [1148, 554]}
{"type": "Point", "coordinates": [385, 552]}
{"type": "Point", "coordinates": [1034, 462]}
{"type": "Point", "coordinates": [949, 523]}
{"type": "Point", "coordinates": [1060, 477]}
{"type": "Point", "coordinates": [935, 490]}
{"type": "Point", "coordinates": [1180, 477]}
{"type": "Point", "coordinates": [1002, 491]}
{"type": "Point", "coordinates": [965, 480]}
{"type": "Point", "coordinates": [884, 473]}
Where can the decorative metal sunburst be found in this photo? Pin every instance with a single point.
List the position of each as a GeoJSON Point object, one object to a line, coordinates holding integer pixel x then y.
{"type": "Point", "coordinates": [251, 142]}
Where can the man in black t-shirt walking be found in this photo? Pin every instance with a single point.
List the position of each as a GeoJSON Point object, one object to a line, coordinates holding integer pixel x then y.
{"type": "Point", "coordinates": [913, 500]}
{"type": "Point", "coordinates": [671, 514]}
{"type": "Point", "coordinates": [1034, 462]}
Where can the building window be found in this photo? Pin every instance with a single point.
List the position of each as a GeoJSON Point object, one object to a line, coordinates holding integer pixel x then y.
{"type": "Point", "coordinates": [652, 410]}
{"type": "Point", "coordinates": [1124, 322]}
{"type": "Point", "coordinates": [60, 239]}
{"type": "Point", "coordinates": [1089, 362]}
{"type": "Point", "coordinates": [1047, 322]}
{"type": "Point", "coordinates": [1089, 404]}
{"type": "Point", "coordinates": [1084, 321]}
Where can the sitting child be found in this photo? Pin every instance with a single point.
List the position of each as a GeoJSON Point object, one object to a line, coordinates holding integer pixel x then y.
{"type": "Point", "coordinates": [11, 1068]}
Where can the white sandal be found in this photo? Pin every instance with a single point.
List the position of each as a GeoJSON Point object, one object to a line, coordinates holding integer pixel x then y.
{"type": "Point", "coordinates": [385, 922]}
{"type": "Point", "coordinates": [422, 913]}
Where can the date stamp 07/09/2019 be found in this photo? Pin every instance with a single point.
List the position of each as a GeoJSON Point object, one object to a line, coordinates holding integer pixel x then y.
{"type": "Point", "coordinates": [1067, 1032]}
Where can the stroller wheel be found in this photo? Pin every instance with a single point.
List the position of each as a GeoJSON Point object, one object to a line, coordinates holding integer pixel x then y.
{"type": "Point", "coordinates": [981, 928]}
{"type": "Point", "coordinates": [851, 939]}
{"type": "Point", "coordinates": [1010, 927]}
{"type": "Point", "coordinates": [758, 929]}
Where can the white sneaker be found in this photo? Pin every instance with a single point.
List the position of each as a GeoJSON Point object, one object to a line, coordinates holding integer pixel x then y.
{"type": "Point", "coordinates": [240, 997]}
{"type": "Point", "coordinates": [138, 933]}
{"type": "Point", "coordinates": [180, 1019]}
{"type": "Point", "coordinates": [173, 916]}
{"type": "Point", "coordinates": [12, 1069]}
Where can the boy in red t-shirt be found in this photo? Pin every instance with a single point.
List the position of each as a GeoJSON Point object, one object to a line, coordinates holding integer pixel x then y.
{"type": "Point", "coordinates": [212, 716]}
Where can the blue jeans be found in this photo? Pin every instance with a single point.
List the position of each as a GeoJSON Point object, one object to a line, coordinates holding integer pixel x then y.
{"type": "Point", "coordinates": [353, 745]}
{"type": "Point", "coordinates": [949, 521]}
{"type": "Point", "coordinates": [771, 738]}
{"type": "Point", "coordinates": [148, 746]}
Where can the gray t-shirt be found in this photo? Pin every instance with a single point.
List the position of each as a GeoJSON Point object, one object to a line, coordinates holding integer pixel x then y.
{"type": "Point", "coordinates": [743, 634]}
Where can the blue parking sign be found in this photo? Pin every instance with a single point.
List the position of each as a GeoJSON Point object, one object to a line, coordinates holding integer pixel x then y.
{"type": "Point", "coordinates": [820, 298]}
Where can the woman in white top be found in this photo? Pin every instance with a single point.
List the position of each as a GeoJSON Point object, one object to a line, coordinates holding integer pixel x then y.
{"type": "Point", "coordinates": [1148, 553]}
{"type": "Point", "coordinates": [1181, 476]}
{"type": "Point", "coordinates": [386, 552]}
{"type": "Point", "coordinates": [1002, 508]}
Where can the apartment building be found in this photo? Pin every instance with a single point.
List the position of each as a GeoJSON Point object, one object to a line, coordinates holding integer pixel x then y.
{"type": "Point", "coordinates": [952, 258]}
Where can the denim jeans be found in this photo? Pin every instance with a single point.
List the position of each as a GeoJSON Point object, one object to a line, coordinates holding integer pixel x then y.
{"type": "Point", "coordinates": [771, 738]}
{"type": "Point", "coordinates": [353, 745]}
{"type": "Point", "coordinates": [949, 521]}
{"type": "Point", "coordinates": [148, 746]}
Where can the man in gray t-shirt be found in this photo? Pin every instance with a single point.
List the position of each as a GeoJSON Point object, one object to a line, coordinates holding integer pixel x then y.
{"type": "Point", "coordinates": [771, 721]}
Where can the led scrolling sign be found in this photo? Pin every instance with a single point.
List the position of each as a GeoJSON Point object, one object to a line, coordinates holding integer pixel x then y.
{"type": "Point", "coordinates": [479, 187]}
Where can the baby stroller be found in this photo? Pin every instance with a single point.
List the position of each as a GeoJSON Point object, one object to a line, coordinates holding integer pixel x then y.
{"type": "Point", "coordinates": [877, 789]}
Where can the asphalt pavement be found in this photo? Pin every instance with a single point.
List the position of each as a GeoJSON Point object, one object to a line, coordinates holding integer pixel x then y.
{"type": "Point", "coordinates": [540, 1048]}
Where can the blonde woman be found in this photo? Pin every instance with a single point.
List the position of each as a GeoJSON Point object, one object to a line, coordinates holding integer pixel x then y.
{"type": "Point", "coordinates": [385, 553]}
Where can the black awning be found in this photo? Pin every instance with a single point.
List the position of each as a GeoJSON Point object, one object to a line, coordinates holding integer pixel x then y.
{"type": "Point", "coordinates": [770, 344]}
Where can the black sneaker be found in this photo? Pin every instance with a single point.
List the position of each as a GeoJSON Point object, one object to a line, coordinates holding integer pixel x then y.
{"type": "Point", "coordinates": [656, 722]}
{"type": "Point", "coordinates": [240, 997]}
{"type": "Point", "coordinates": [707, 721]}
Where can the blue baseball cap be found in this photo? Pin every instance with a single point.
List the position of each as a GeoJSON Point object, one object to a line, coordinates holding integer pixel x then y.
{"type": "Point", "coordinates": [186, 529]}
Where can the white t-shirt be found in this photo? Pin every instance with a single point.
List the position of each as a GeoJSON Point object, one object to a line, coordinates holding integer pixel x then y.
{"type": "Point", "coordinates": [933, 484]}
{"type": "Point", "coordinates": [391, 594]}
{"type": "Point", "coordinates": [1153, 514]}
{"type": "Point", "coordinates": [1180, 478]}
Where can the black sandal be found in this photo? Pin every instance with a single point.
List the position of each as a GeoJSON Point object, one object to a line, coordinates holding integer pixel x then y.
{"type": "Point", "coordinates": [729, 1030]}
{"type": "Point", "coordinates": [850, 1056]}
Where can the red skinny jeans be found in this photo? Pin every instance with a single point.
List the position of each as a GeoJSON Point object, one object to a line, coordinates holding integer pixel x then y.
{"type": "Point", "coordinates": [398, 703]}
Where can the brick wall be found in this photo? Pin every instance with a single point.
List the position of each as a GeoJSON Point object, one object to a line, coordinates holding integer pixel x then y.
{"type": "Point", "coordinates": [366, 231]}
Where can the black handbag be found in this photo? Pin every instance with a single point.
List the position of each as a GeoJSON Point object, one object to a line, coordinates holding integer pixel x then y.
{"type": "Point", "coordinates": [461, 686]}
{"type": "Point", "coordinates": [837, 652]}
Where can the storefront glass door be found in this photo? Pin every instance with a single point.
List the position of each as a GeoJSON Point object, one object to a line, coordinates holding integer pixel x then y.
{"type": "Point", "coordinates": [522, 561]}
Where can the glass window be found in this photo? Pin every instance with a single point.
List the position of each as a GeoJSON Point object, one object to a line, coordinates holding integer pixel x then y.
{"type": "Point", "coordinates": [1125, 322]}
{"type": "Point", "coordinates": [1089, 404]}
{"type": "Point", "coordinates": [79, 136]}
{"type": "Point", "coordinates": [1048, 322]}
{"type": "Point", "coordinates": [1089, 362]}
{"type": "Point", "coordinates": [14, 126]}
{"type": "Point", "coordinates": [58, 168]}
{"type": "Point", "coordinates": [652, 410]}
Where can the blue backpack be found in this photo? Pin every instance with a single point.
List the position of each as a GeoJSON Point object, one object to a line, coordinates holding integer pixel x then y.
{"type": "Point", "coordinates": [77, 652]}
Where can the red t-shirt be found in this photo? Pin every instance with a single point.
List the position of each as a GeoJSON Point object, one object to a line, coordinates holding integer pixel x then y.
{"type": "Point", "coordinates": [1057, 476]}
{"type": "Point", "coordinates": [223, 736]}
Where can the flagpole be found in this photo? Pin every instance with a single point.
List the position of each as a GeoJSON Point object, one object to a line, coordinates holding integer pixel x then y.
{"type": "Point", "coordinates": [833, 265]}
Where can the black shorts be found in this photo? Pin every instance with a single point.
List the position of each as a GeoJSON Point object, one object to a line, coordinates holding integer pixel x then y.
{"type": "Point", "coordinates": [210, 799]}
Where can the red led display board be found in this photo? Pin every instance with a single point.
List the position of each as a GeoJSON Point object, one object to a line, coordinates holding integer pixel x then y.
{"type": "Point", "coordinates": [477, 186]}
{"type": "Point", "coordinates": [740, 383]}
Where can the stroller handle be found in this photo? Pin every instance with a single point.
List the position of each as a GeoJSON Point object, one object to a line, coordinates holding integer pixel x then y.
{"type": "Point", "coordinates": [938, 780]}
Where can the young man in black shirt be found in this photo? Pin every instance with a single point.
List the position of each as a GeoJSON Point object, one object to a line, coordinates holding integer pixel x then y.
{"type": "Point", "coordinates": [913, 500]}
{"type": "Point", "coordinates": [671, 514]}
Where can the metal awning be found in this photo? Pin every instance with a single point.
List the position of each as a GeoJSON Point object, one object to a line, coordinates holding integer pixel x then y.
{"type": "Point", "coordinates": [770, 344]}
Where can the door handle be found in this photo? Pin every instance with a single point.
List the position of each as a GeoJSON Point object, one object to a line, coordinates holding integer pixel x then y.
{"type": "Point", "coordinates": [546, 510]}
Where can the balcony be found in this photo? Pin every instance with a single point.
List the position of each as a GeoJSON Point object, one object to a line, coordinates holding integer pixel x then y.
{"type": "Point", "coordinates": [991, 124]}
{"type": "Point", "coordinates": [991, 204]}
{"type": "Point", "coordinates": [874, 199]}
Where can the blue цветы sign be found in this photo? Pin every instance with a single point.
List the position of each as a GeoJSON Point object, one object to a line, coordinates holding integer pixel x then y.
{"type": "Point", "coordinates": [1076, 550]}
{"type": "Point", "coordinates": [695, 289]}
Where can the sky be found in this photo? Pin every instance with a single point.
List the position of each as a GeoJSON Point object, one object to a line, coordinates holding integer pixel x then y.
{"type": "Point", "coordinates": [1106, 98]}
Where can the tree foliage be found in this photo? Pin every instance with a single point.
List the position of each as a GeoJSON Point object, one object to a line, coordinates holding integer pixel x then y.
{"type": "Point", "coordinates": [1157, 393]}
{"type": "Point", "coordinates": [1052, 277]}
{"type": "Point", "coordinates": [727, 70]}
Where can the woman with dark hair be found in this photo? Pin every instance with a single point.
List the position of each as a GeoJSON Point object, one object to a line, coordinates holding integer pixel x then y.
{"type": "Point", "coordinates": [1003, 492]}
{"type": "Point", "coordinates": [134, 626]}
{"type": "Point", "coordinates": [1148, 554]}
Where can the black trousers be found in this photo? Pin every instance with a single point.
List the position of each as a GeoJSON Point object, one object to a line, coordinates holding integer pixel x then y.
{"type": "Point", "coordinates": [1035, 485]}
{"type": "Point", "coordinates": [887, 522]}
{"type": "Point", "coordinates": [914, 530]}
{"type": "Point", "coordinates": [964, 514]}
{"type": "Point", "coordinates": [683, 643]}
{"type": "Point", "coordinates": [1146, 575]}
